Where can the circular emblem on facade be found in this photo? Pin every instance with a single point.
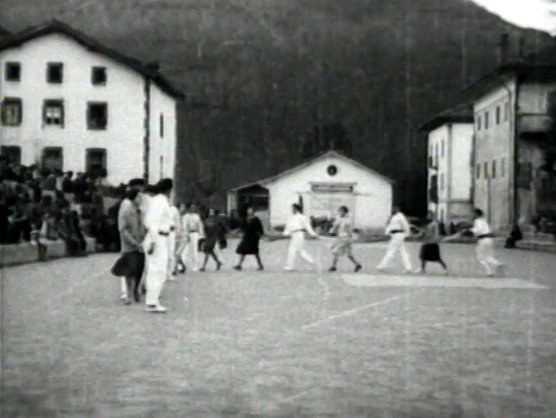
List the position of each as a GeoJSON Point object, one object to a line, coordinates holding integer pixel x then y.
{"type": "Point", "coordinates": [332, 170]}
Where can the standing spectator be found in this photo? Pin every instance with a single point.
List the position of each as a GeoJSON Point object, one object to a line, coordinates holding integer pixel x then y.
{"type": "Point", "coordinates": [192, 227]}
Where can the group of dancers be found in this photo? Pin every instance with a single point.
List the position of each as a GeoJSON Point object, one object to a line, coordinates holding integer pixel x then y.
{"type": "Point", "coordinates": [158, 239]}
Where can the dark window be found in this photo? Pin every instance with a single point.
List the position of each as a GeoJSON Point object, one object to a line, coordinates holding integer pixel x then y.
{"type": "Point", "coordinates": [161, 125]}
{"type": "Point", "coordinates": [485, 171]}
{"type": "Point", "coordinates": [332, 170]}
{"type": "Point", "coordinates": [11, 153]}
{"type": "Point", "coordinates": [478, 171]}
{"type": "Point", "coordinates": [13, 71]}
{"type": "Point", "coordinates": [12, 111]}
{"type": "Point", "coordinates": [502, 167]}
{"type": "Point", "coordinates": [493, 169]}
{"type": "Point", "coordinates": [95, 160]}
{"type": "Point", "coordinates": [55, 72]}
{"type": "Point", "coordinates": [53, 112]}
{"type": "Point", "coordinates": [98, 76]}
{"type": "Point", "coordinates": [486, 120]}
{"type": "Point", "coordinates": [53, 158]}
{"type": "Point", "coordinates": [97, 115]}
{"type": "Point", "coordinates": [506, 110]}
{"type": "Point", "coordinates": [479, 122]}
{"type": "Point", "coordinates": [497, 115]}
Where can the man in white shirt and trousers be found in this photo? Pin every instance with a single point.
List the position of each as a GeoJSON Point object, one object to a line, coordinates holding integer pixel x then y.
{"type": "Point", "coordinates": [296, 227]}
{"type": "Point", "coordinates": [398, 229]}
{"type": "Point", "coordinates": [192, 229]}
{"type": "Point", "coordinates": [159, 224]}
{"type": "Point", "coordinates": [485, 244]}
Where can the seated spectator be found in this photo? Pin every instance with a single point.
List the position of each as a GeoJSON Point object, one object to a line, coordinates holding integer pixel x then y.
{"type": "Point", "coordinates": [19, 226]}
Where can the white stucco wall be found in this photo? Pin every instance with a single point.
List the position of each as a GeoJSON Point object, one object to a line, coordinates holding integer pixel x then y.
{"type": "Point", "coordinates": [123, 92]}
{"type": "Point", "coordinates": [460, 150]}
{"type": "Point", "coordinates": [370, 204]}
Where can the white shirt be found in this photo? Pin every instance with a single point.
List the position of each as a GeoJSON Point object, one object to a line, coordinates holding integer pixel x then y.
{"type": "Point", "coordinates": [480, 227]}
{"type": "Point", "coordinates": [398, 222]}
{"type": "Point", "coordinates": [191, 222]}
{"type": "Point", "coordinates": [158, 217]}
{"type": "Point", "coordinates": [299, 222]}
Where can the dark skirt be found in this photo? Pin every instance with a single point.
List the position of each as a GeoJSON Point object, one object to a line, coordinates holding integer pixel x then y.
{"type": "Point", "coordinates": [129, 264]}
{"type": "Point", "coordinates": [208, 244]}
{"type": "Point", "coordinates": [430, 252]}
{"type": "Point", "coordinates": [249, 245]}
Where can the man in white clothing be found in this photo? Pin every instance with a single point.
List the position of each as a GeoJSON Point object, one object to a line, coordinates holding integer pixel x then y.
{"type": "Point", "coordinates": [485, 244]}
{"type": "Point", "coordinates": [296, 227]}
{"type": "Point", "coordinates": [398, 229]}
{"type": "Point", "coordinates": [159, 224]}
{"type": "Point", "coordinates": [193, 231]}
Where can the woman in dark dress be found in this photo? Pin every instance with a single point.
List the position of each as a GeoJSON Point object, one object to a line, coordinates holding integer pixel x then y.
{"type": "Point", "coordinates": [213, 231]}
{"type": "Point", "coordinates": [430, 250]}
{"type": "Point", "coordinates": [252, 233]}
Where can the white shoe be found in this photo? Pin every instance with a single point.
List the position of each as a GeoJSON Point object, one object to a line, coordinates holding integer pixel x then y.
{"type": "Point", "coordinates": [408, 272]}
{"type": "Point", "coordinates": [381, 269]}
{"type": "Point", "coordinates": [123, 296]}
{"type": "Point", "coordinates": [156, 309]}
{"type": "Point", "coordinates": [289, 269]}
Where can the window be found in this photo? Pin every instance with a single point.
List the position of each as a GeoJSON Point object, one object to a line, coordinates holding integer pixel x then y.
{"type": "Point", "coordinates": [485, 171]}
{"type": "Point", "coordinates": [436, 154]}
{"type": "Point", "coordinates": [12, 111]}
{"type": "Point", "coordinates": [498, 115]}
{"type": "Point", "coordinates": [55, 72]}
{"type": "Point", "coordinates": [493, 169]}
{"type": "Point", "coordinates": [53, 112]}
{"type": "Point", "coordinates": [161, 122]}
{"type": "Point", "coordinates": [53, 158]}
{"type": "Point", "coordinates": [442, 150]}
{"type": "Point", "coordinates": [506, 110]}
{"type": "Point", "coordinates": [97, 116]}
{"type": "Point", "coordinates": [95, 160]}
{"type": "Point", "coordinates": [486, 120]}
{"type": "Point", "coordinates": [11, 153]}
{"type": "Point", "coordinates": [13, 71]}
{"type": "Point", "coordinates": [479, 122]}
{"type": "Point", "coordinates": [502, 167]}
{"type": "Point", "coordinates": [98, 76]}
{"type": "Point", "coordinates": [478, 171]}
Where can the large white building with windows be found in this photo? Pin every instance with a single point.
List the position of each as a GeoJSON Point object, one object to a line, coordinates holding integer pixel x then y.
{"type": "Point", "coordinates": [450, 148]}
{"type": "Point", "coordinates": [70, 103]}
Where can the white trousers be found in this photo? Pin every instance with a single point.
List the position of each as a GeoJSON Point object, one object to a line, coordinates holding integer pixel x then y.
{"type": "Point", "coordinates": [297, 247]}
{"type": "Point", "coordinates": [485, 255]}
{"type": "Point", "coordinates": [192, 248]}
{"type": "Point", "coordinates": [172, 259]}
{"type": "Point", "coordinates": [157, 270]}
{"type": "Point", "coordinates": [396, 244]}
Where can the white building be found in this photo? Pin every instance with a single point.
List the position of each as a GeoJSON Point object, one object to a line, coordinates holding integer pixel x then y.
{"type": "Point", "coordinates": [70, 103]}
{"type": "Point", "coordinates": [515, 151]}
{"type": "Point", "coordinates": [322, 185]}
{"type": "Point", "coordinates": [450, 149]}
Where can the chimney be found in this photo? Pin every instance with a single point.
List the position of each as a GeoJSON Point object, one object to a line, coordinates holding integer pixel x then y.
{"type": "Point", "coordinates": [503, 48]}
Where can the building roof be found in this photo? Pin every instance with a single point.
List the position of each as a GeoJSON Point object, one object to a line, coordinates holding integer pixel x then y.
{"type": "Point", "coordinates": [56, 26]}
{"type": "Point", "coordinates": [462, 113]}
{"type": "Point", "coordinates": [328, 154]}
{"type": "Point", "coordinates": [538, 63]}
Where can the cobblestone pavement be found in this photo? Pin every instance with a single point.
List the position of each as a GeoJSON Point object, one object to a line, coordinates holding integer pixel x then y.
{"type": "Point", "coordinates": [276, 344]}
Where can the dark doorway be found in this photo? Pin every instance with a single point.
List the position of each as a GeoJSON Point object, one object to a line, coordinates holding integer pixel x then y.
{"type": "Point", "coordinates": [11, 153]}
{"type": "Point", "coordinates": [53, 158]}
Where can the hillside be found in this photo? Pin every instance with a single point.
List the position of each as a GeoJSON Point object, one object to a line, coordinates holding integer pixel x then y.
{"type": "Point", "coordinates": [261, 74]}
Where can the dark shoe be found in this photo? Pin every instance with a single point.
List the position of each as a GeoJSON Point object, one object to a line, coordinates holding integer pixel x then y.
{"type": "Point", "coordinates": [218, 266]}
{"type": "Point", "coordinates": [137, 297]}
{"type": "Point", "coordinates": [358, 267]}
{"type": "Point", "coordinates": [261, 268]}
{"type": "Point", "coordinates": [332, 269]}
{"type": "Point", "coordinates": [202, 269]}
{"type": "Point", "coordinates": [238, 268]}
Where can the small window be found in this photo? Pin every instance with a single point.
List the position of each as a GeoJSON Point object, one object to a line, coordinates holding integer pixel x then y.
{"type": "Point", "coordinates": [478, 171]}
{"type": "Point", "coordinates": [479, 120]}
{"type": "Point", "coordinates": [97, 116]}
{"type": "Point", "coordinates": [486, 120]}
{"type": "Point", "coordinates": [98, 76]}
{"type": "Point", "coordinates": [53, 112]}
{"type": "Point", "coordinates": [12, 111]}
{"type": "Point", "coordinates": [498, 115]}
{"type": "Point", "coordinates": [161, 122]}
{"type": "Point", "coordinates": [493, 169]}
{"type": "Point", "coordinates": [332, 170]}
{"type": "Point", "coordinates": [503, 167]}
{"type": "Point", "coordinates": [442, 150]}
{"type": "Point", "coordinates": [55, 73]}
{"type": "Point", "coordinates": [13, 71]}
{"type": "Point", "coordinates": [506, 111]}
{"type": "Point", "coordinates": [485, 170]}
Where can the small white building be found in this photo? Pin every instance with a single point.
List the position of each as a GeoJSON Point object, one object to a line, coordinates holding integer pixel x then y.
{"type": "Point", "coordinates": [70, 103]}
{"type": "Point", "coordinates": [321, 185]}
{"type": "Point", "coordinates": [450, 149]}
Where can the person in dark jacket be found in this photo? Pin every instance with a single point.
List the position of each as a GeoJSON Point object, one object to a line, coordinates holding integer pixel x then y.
{"type": "Point", "coordinates": [213, 231]}
{"type": "Point", "coordinates": [252, 233]}
{"type": "Point", "coordinates": [515, 236]}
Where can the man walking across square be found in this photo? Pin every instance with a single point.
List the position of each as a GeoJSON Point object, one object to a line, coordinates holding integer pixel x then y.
{"type": "Point", "coordinates": [398, 229]}
{"type": "Point", "coordinates": [193, 231]}
{"type": "Point", "coordinates": [159, 224]}
{"type": "Point", "coordinates": [297, 225]}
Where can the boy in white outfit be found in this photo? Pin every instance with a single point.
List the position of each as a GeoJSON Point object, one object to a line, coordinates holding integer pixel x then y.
{"type": "Point", "coordinates": [193, 231]}
{"type": "Point", "coordinates": [296, 227]}
{"type": "Point", "coordinates": [398, 228]}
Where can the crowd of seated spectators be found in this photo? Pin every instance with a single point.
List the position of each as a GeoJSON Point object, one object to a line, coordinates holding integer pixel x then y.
{"type": "Point", "coordinates": [39, 204]}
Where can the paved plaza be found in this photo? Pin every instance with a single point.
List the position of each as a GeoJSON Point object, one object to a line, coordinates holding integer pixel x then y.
{"type": "Point", "coordinates": [276, 344]}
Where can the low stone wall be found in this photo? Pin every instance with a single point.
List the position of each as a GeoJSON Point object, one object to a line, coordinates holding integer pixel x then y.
{"type": "Point", "coordinates": [29, 253]}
